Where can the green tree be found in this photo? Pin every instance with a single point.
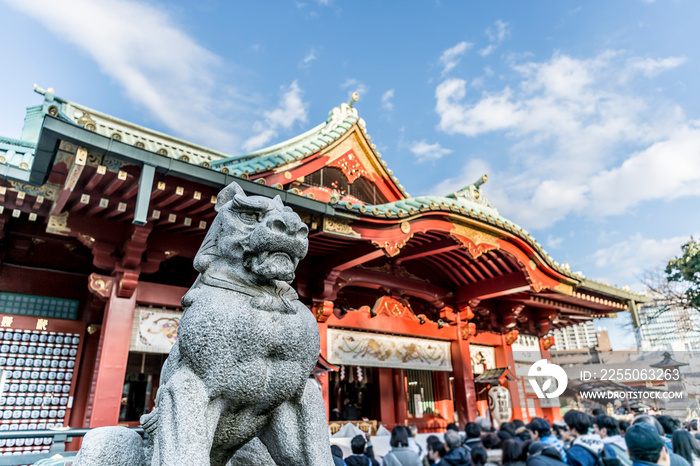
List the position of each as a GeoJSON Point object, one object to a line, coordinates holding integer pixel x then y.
{"type": "Point", "coordinates": [686, 270]}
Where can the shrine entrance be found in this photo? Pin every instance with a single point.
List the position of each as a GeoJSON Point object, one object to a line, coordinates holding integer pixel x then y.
{"type": "Point", "coordinates": [352, 392]}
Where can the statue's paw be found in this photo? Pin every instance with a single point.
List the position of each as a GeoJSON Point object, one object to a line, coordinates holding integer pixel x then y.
{"type": "Point", "coordinates": [149, 421]}
{"type": "Point", "coordinates": [111, 446]}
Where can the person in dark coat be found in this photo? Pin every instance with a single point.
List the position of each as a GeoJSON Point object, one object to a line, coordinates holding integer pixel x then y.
{"type": "Point", "coordinates": [337, 456]}
{"type": "Point", "coordinates": [585, 448]}
{"type": "Point", "coordinates": [360, 455]}
{"type": "Point", "coordinates": [513, 454]}
{"type": "Point", "coordinates": [540, 454]}
{"type": "Point", "coordinates": [456, 455]}
{"type": "Point", "coordinates": [473, 432]}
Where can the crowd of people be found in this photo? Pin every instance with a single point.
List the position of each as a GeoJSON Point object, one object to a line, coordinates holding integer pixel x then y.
{"type": "Point", "coordinates": [580, 439]}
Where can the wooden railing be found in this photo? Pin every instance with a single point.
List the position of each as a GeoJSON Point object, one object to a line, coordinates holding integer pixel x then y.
{"type": "Point", "coordinates": [369, 427]}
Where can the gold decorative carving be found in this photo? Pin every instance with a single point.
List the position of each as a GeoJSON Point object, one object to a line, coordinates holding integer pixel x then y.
{"type": "Point", "coordinates": [48, 191]}
{"type": "Point", "coordinates": [87, 122]}
{"type": "Point", "coordinates": [393, 247]}
{"type": "Point", "coordinates": [564, 289]}
{"type": "Point", "coordinates": [405, 227]}
{"type": "Point", "coordinates": [87, 240]}
{"type": "Point", "coordinates": [339, 226]}
{"type": "Point", "coordinates": [100, 285]}
{"type": "Point", "coordinates": [393, 308]}
{"type": "Point", "coordinates": [323, 311]}
{"type": "Point", "coordinates": [58, 224]}
{"type": "Point", "coordinates": [63, 157]}
{"type": "Point", "coordinates": [476, 241]}
{"type": "Point", "coordinates": [94, 160]}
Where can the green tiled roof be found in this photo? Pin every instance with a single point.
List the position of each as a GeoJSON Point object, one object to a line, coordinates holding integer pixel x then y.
{"type": "Point", "coordinates": [340, 120]}
{"type": "Point", "coordinates": [16, 153]}
{"type": "Point", "coordinates": [484, 213]}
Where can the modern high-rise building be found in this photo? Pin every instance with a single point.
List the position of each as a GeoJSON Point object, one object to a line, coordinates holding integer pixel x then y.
{"type": "Point", "coordinates": [580, 336]}
{"type": "Point", "coordinates": [676, 328]}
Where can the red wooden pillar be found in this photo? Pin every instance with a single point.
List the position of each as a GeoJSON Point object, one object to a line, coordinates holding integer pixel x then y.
{"type": "Point", "coordinates": [512, 385]}
{"type": "Point", "coordinates": [400, 399]}
{"type": "Point", "coordinates": [465, 393]}
{"type": "Point", "coordinates": [112, 358]}
{"type": "Point", "coordinates": [443, 399]}
{"type": "Point", "coordinates": [551, 414]}
{"type": "Point", "coordinates": [386, 396]}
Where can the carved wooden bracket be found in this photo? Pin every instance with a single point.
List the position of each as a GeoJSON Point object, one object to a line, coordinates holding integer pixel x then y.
{"type": "Point", "coordinates": [128, 281]}
{"type": "Point", "coordinates": [547, 342]}
{"type": "Point", "coordinates": [468, 331]}
{"type": "Point", "coordinates": [477, 242]}
{"type": "Point", "coordinates": [100, 286]}
{"type": "Point", "coordinates": [323, 311]}
{"type": "Point", "coordinates": [135, 246]}
{"type": "Point", "coordinates": [512, 337]}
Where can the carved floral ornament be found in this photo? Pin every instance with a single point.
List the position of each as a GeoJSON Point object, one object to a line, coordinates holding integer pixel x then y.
{"type": "Point", "coordinates": [351, 166]}
{"type": "Point", "coordinates": [339, 226]}
{"type": "Point", "coordinates": [547, 342]}
{"type": "Point", "coordinates": [477, 242]}
{"type": "Point", "coordinates": [100, 285]}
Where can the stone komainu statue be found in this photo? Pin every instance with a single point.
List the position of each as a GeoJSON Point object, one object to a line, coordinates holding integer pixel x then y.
{"type": "Point", "coordinates": [239, 374]}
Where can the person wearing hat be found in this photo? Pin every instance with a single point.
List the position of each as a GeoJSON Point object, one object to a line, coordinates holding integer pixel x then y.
{"type": "Point", "coordinates": [676, 460]}
{"type": "Point", "coordinates": [646, 447]}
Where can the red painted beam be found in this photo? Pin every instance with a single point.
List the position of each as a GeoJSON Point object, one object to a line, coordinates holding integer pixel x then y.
{"type": "Point", "coordinates": [131, 190]}
{"type": "Point", "coordinates": [514, 282]}
{"type": "Point", "coordinates": [116, 183]}
{"type": "Point", "coordinates": [374, 280]}
{"type": "Point", "coordinates": [430, 249]}
{"type": "Point", "coordinates": [196, 197]}
{"type": "Point", "coordinates": [353, 256]}
{"type": "Point", "coordinates": [160, 295]}
{"type": "Point", "coordinates": [95, 178]}
{"type": "Point", "coordinates": [179, 191]}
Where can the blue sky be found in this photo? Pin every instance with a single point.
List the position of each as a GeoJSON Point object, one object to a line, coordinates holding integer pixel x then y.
{"type": "Point", "coordinates": [584, 114]}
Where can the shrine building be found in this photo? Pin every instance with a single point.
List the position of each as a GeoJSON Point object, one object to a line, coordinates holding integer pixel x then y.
{"type": "Point", "coordinates": [424, 304]}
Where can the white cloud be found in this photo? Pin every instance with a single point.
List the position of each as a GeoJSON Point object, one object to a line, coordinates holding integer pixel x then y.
{"type": "Point", "coordinates": [452, 56]}
{"type": "Point", "coordinates": [666, 170]}
{"type": "Point", "coordinates": [487, 50]}
{"type": "Point", "coordinates": [311, 56]}
{"type": "Point", "coordinates": [291, 109]}
{"type": "Point", "coordinates": [354, 85]}
{"type": "Point", "coordinates": [387, 104]}
{"type": "Point", "coordinates": [554, 242]}
{"type": "Point", "coordinates": [582, 142]}
{"type": "Point", "coordinates": [492, 112]}
{"type": "Point", "coordinates": [424, 151]}
{"type": "Point", "coordinates": [159, 65]}
{"type": "Point", "coordinates": [471, 171]}
{"type": "Point", "coordinates": [652, 67]}
{"type": "Point", "coordinates": [496, 34]}
{"type": "Point", "coordinates": [499, 33]}
{"type": "Point", "coordinates": [630, 258]}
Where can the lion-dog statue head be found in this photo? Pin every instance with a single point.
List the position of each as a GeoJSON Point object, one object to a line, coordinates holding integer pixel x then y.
{"type": "Point", "coordinates": [254, 240]}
